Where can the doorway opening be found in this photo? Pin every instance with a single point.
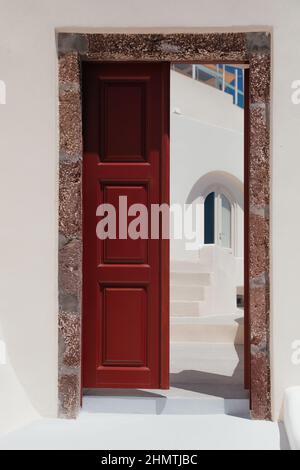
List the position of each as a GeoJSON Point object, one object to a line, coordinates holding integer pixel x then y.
{"type": "Point", "coordinates": [128, 111]}
{"type": "Point", "coordinates": [207, 141]}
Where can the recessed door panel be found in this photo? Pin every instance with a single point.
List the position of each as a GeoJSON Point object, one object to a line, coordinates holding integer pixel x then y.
{"type": "Point", "coordinates": [123, 121]}
{"type": "Point", "coordinates": [124, 325]}
{"type": "Point", "coordinates": [125, 249]}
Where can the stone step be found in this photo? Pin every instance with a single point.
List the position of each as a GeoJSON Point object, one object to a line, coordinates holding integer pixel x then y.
{"type": "Point", "coordinates": [198, 266]}
{"type": "Point", "coordinates": [189, 291]}
{"type": "Point", "coordinates": [187, 308]}
{"type": "Point", "coordinates": [187, 278]}
{"type": "Point", "coordinates": [214, 329]}
{"type": "Point", "coordinates": [163, 402]}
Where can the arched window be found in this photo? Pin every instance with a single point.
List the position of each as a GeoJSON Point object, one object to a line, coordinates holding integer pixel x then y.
{"type": "Point", "coordinates": [218, 219]}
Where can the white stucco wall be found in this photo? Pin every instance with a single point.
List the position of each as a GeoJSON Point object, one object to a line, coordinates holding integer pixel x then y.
{"type": "Point", "coordinates": [206, 140]}
{"type": "Point", "coordinates": [29, 158]}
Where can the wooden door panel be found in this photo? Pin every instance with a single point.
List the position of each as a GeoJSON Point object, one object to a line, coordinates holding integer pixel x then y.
{"type": "Point", "coordinates": [123, 120]}
{"type": "Point", "coordinates": [125, 281]}
{"type": "Point", "coordinates": [127, 250]}
{"type": "Point", "coordinates": [124, 330]}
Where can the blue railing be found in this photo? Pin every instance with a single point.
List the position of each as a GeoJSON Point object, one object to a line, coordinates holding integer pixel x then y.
{"type": "Point", "coordinates": [218, 77]}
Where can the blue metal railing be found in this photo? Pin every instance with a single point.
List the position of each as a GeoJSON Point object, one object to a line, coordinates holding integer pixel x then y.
{"type": "Point", "coordinates": [203, 73]}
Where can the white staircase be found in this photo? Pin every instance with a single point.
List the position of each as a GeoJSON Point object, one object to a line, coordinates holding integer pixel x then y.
{"type": "Point", "coordinates": [193, 306]}
{"type": "Point", "coordinates": [189, 290]}
{"type": "Point", "coordinates": [206, 343]}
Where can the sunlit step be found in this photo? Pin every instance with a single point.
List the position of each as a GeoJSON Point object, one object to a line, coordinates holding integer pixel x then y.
{"type": "Point", "coordinates": [227, 329]}
{"type": "Point", "coordinates": [189, 291]}
{"type": "Point", "coordinates": [187, 278]}
{"type": "Point", "coordinates": [187, 308]}
{"type": "Point", "coordinates": [160, 402]}
{"type": "Point", "coordinates": [191, 266]}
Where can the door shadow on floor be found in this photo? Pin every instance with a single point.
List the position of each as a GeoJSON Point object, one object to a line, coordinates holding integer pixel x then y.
{"type": "Point", "coordinates": [217, 385]}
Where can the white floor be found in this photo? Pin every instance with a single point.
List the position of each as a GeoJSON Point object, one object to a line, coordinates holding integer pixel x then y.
{"type": "Point", "coordinates": [206, 408]}
{"type": "Point", "coordinates": [147, 431]}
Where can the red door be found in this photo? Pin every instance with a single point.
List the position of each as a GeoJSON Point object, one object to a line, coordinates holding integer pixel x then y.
{"type": "Point", "coordinates": [125, 281]}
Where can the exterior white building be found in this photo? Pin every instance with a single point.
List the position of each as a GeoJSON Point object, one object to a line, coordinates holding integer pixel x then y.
{"type": "Point", "coordinates": [207, 156]}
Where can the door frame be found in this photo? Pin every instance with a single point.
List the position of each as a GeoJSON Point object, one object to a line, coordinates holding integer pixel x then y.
{"type": "Point", "coordinates": [252, 48]}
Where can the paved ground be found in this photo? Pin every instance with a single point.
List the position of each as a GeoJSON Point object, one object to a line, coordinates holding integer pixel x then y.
{"type": "Point", "coordinates": [140, 431]}
{"type": "Point", "coordinates": [207, 408]}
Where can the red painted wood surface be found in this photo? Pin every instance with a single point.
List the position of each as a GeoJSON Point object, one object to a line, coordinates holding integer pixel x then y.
{"type": "Point", "coordinates": [247, 339]}
{"type": "Point", "coordinates": [125, 282]}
